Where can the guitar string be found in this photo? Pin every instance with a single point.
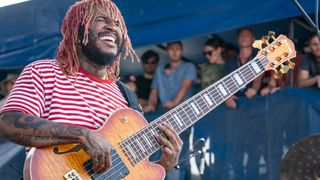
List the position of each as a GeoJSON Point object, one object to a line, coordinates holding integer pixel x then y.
{"type": "Point", "coordinates": [244, 74]}
{"type": "Point", "coordinates": [204, 103]}
{"type": "Point", "coordinates": [229, 80]}
{"type": "Point", "coordinates": [261, 59]}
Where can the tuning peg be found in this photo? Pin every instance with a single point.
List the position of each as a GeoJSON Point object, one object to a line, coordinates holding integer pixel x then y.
{"type": "Point", "coordinates": [284, 69]}
{"type": "Point", "coordinates": [277, 75]}
{"type": "Point", "coordinates": [272, 34]}
{"type": "Point", "coordinates": [265, 40]}
{"type": "Point", "coordinates": [257, 44]}
{"type": "Point", "coordinates": [291, 64]}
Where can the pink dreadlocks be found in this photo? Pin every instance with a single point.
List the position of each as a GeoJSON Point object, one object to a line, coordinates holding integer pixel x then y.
{"type": "Point", "coordinates": [82, 14]}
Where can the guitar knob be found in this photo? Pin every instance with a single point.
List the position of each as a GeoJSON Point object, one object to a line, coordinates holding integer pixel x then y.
{"type": "Point", "coordinates": [272, 34]}
{"type": "Point", "coordinates": [277, 75]}
{"type": "Point", "coordinates": [284, 69]}
{"type": "Point", "coordinates": [265, 40]}
{"type": "Point", "coordinates": [257, 44]}
{"type": "Point", "coordinates": [291, 64]}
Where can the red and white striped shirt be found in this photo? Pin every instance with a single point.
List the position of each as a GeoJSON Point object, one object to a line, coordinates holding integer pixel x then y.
{"type": "Point", "coordinates": [83, 100]}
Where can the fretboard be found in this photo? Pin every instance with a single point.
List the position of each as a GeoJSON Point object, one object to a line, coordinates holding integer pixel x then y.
{"type": "Point", "coordinates": [143, 143]}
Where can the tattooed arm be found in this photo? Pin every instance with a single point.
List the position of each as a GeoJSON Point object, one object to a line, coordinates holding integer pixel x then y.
{"type": "Point", "coordinates": [33, 131]}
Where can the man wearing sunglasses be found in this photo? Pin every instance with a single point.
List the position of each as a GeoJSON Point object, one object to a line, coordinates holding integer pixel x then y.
{"type": "Point", "coordinates": [150, 60]}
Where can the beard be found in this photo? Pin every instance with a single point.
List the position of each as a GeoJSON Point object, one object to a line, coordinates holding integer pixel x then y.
{"type": "Point", "coordinates": [96, 55]}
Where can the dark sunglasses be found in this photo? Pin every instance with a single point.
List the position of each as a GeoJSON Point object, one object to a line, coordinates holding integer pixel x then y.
{"type": "Point", "coordinates": [207, 53]}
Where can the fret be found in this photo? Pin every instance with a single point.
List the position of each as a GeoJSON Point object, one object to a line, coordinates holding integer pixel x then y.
{"type": "Point", "coordinates": [190, 113]}
{"type": "Point", "coordinates": [222, 90]}
{"type": "Point", "coordinates": [247, 73]}
{"type": "Point", "coordinates": [242, 76]}
{"type": "Point", "coordinates": [231, 84]}
{"type": "Point", "coordinates": [206, 103]}
{"type": "Point", "coordinates": [175, 125]}
{"type": "Point", "coordinates": [202, 106]}
{"type": "Point", "coordinates": [134, 147]}
{"type": "Point", "coordinates": [184, 117]}
{"type": "Point", "coordinates": [130, 152]}
{"type": "Point", "coordinates": [211, 96]}
{"type": "Point", "coordinates": [195, 108]}
{"type": "Point", "coordinates": [172, 121]}
{"type": "Point", "coordinates": [255, 67]}
{"type": "Point", "coordinates": [161, 122]}
{"type": "Point", "coordinates": [188, 121]}
{"type": "Point", "coordinates": [210, 101]}
{"type": "Point", "coordinates": [144, 139]}
{"type": "Point", "coordinates": [238, 79]}
{"type": "Point", "coordinates": [151, 134]}
{"type": "Point", "coordinates": [138, 140]}
{"type": "Point", "coordinates": [218, 98]}
{"type": "Point", "coordinates": [260, 63]}
{"type": "Point", "coordinates": [179, 120]}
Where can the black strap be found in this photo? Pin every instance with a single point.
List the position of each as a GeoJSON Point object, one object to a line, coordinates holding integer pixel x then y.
{"type": "Point", "coordinates": [130, 96]}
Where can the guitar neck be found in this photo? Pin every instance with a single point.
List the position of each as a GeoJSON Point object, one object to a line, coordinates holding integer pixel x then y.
{"type": "Point", "coordinates": [142, 144]}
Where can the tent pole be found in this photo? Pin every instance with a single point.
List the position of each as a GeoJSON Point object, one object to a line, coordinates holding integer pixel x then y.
{"type": "Point", "coordinates": [291, 36]}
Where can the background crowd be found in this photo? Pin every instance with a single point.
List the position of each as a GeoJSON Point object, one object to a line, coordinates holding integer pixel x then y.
{"type": "Point", "coordinates": [164, 86]}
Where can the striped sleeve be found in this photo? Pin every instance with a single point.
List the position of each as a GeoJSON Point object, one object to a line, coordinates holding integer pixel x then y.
{"type": "Point", "coordinates": [27, 94]}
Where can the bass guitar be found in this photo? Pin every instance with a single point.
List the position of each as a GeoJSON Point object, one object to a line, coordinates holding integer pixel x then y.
{"type": "Point", "coordinates": [133, 139]}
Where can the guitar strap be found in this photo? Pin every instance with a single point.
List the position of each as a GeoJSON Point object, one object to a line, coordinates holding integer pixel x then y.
{"type": "Point", "coordinates": [130, 97]}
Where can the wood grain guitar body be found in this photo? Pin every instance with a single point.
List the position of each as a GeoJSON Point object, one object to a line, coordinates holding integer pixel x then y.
{"type": "Point", "coordinates": [72, 162]}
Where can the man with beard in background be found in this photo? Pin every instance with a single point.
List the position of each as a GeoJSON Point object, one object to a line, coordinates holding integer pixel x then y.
{"type": "Point", "coordinates": [60, 101]}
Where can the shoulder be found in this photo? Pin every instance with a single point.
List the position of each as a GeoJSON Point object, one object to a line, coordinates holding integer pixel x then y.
{"type": "Point", "coordinates": [139, 78]}
{"type": "Point", "coordinates": [188, 64]}
{"type": "Point", "coordinates": [44, 65]}
{"type": "Point", "coordinates": [160, 68]}
{"type": "Point", "coordinates": [308, 57]}
{"type": "Point", "coordinates": [233, 63]}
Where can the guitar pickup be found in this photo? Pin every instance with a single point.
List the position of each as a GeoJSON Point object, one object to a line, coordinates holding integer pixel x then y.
{"type": "Point", "coordinates": [72, 175]}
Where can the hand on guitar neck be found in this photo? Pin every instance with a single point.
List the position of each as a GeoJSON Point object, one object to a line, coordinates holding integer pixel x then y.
{"type": "Point", "coordinates": [171, 147]}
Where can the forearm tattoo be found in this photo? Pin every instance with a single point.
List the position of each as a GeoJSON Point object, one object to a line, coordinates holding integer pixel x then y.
{"type": "Point", "coordinates": [30, 130]}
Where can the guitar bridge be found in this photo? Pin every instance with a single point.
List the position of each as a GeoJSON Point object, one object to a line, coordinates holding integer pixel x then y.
{"type": "Point", "coordinates": [72, 175]}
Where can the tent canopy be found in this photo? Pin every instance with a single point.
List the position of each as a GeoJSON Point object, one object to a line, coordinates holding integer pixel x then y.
{"type": "Point", "coordinates": [31, 30]}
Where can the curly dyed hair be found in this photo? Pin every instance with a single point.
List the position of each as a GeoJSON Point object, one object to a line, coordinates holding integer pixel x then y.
{"type": "Point", "coordinates": [81, 16]}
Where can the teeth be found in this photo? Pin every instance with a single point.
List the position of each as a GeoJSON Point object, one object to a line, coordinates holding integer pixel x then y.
{"type": "Point", "coordinates": [108, 38]}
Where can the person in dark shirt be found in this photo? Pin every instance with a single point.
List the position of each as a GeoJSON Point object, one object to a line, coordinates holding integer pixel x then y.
{"type": "Point", "coordinates": [309, 75]}
{"type": "Point", "coordinates": [245, 40]}
{"type": "Point", "coordinates": [150, 60]}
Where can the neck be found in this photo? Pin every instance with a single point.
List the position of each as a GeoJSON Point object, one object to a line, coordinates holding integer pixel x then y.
{"type": "Point", "coordinates": [245, 53]}
{"type": "Point", "coordinates": [317, 58]}
{"type": "Point", "coordinates": [92, 68]}
{"type": "Point", "coordinates": [219, 60]}
{"type": "Point", "coordinates": [148, 75]}
{"type": "Point", "coordinates": [174, 64]}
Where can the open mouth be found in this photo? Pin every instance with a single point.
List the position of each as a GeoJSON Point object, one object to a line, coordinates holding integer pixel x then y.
{"type": "Point", "coordinates": [108, 38]}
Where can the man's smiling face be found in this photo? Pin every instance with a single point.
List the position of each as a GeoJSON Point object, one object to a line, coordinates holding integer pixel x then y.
{"type": "Point", "coordinates": [104, 40]}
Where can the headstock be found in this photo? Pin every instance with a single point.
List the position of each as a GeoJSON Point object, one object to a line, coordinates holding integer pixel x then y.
{"type": "Point", "coordinates": [276, 54]}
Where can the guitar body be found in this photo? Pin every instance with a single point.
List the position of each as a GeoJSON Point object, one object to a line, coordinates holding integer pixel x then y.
{"type": "Point", "coordinates": [46, 163]}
